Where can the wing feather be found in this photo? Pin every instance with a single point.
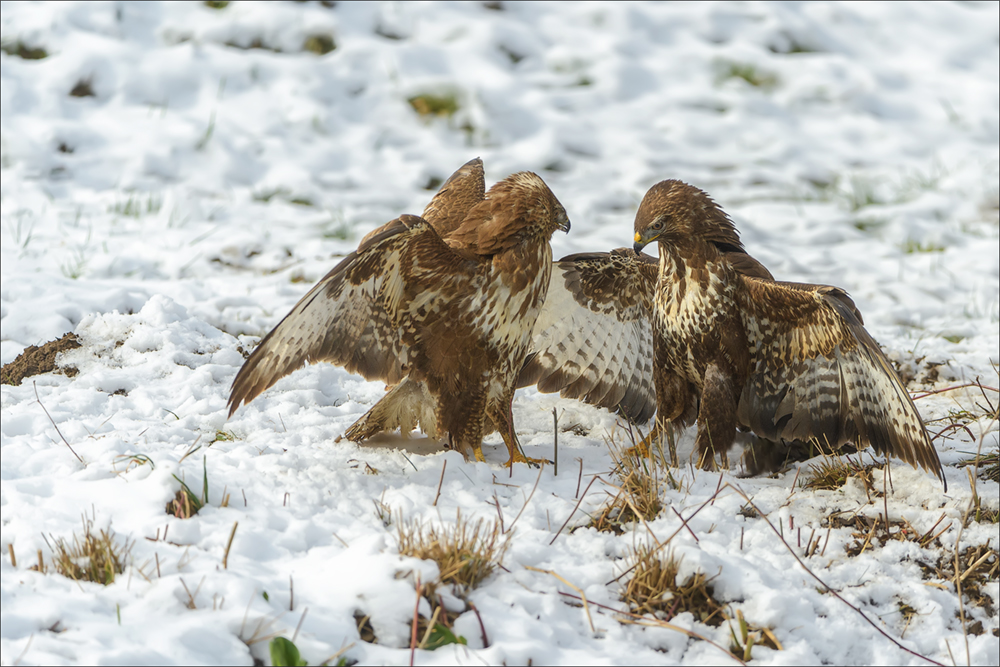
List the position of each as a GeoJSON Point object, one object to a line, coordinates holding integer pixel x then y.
{"type": "Point", "coordinates": [463, 190]}
{"type": "Point", "coordinates": [592, 340]}
{"type": "Point", "coordinates": [353, 317]}
{"type": "Point", "coordinates": [817, 374]}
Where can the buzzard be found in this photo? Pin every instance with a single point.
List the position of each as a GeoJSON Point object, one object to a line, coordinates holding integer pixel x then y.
{"type": "Point", "coordinates": [728, 346]}
{"type": "Point", "coordinates": [446, 321]}
{"type": "Point", "coordinates": [410, 404]}
{"type": "Point", "coordinates": [603, 299]}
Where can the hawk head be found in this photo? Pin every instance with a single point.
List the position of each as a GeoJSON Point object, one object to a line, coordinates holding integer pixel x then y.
{"type": "Point", "coordinates": [518, 209]}
{"type": "Point", "coordinates": [673, 211]}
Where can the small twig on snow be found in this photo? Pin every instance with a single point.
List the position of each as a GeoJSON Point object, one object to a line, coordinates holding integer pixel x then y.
{"type": "Point", "coordinates": [33, 384]}
{"type": "Point", "coordinates": [824, 584]}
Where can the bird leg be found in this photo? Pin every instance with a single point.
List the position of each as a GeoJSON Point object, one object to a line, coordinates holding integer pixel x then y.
{"type": "Point", "coordinates": [716, 418]}
{"type": "Point", "coordinates": [456, 414]}
{"type": "Point", "coordinates": [671, 399]}
{"type": "Point", "coordinates": [502, 417]}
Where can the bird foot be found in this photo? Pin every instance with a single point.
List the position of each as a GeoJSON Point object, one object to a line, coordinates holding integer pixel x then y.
{"type": "Point", "coordinates": [644, 447]}
{"type": "Point", "coordinates": [518, 457]}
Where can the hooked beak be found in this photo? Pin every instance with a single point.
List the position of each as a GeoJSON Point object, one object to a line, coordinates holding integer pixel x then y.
{"type": "Point", "coordinates": [640, 243]}
{"type": "Point", "coordinates": [563, 225]}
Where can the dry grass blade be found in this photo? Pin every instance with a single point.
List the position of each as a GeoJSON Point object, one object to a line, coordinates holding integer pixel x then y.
{"type": "Point", "coordinates": [465, 554]}
{"type": "Point", "coordinates": [749, 636]}
{"type": "Point", "coordinates": [365, 629]}
{"type": "Point", "coordinates": [56, 426]}
{"type": "Point", "coordinates": [972, 570]}
{"type": "Point", "coordinates": [96, 557]}
{"type": "Point", "coordinates": [185, 503]}
{"type": "Point", "coordinates": [654, 588]}
{"type": "Point", "coordinates": [636, 619]}
{"type": "Point", "coordinates": [639, 489]}
{"type": "Point", "coordinates": [871, 532]}
{"type": "Point", "coordinates": [954, 387]}
{"type": "Point", "coordinates": [229, 545]}
{"type": "Point", "coordinates": [822, 583]}
{"type": "Point", "coordinates": [988, 465]}
{"type": "Point", "coordinates": [583, 596]}
{"type": "Point", "coordinates": [834, 471]}
{"type": "Point", "coordinates": [575, 508]}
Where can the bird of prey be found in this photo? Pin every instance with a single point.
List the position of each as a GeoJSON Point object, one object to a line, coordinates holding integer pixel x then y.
{"type": "Point", "coordinates": [593, 340]}
{"type": "Point", "coordinates": [449, 321]}
{"type": "Point", "coordinates": [603, 301]}
{"type": "Point", "coordinates": [410, 404]}
{"type": "Point", "coordinates": [728, 346]}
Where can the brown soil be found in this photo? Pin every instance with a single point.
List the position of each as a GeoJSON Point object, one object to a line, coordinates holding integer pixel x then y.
{"type": "Point", "coordinates": [37, 360]}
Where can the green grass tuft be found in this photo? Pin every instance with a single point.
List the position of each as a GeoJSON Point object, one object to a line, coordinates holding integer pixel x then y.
{"type": "Point", "coordinates": [753, 75]}
{"type": "Point", "coordinates": [135, 206]}
{"type": "Point", "coordinates": [427, 104]}
{"type": "Point", "coordinates": [911, 246]}
{"type": "Point", "coordinates": [319, 44]}
{"type": "Point", "coordinates": [19, 49]}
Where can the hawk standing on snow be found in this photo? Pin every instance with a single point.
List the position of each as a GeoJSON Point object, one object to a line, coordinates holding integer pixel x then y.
{"type": "Point", "coordinates": [726, 344]}
{"type": "Point", "coordinates": [448, 323]}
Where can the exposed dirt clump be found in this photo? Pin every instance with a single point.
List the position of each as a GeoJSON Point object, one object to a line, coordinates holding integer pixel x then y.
{"type": "Point", "coordinates": [38, 360]}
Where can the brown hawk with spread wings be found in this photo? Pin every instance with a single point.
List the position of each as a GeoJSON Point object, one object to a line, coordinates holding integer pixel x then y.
{"type": "Point", "coordinates": [410, 404]}
{"type": "Point", "coordinates": [729, 346]}
{"type": "Point", "coordinates": [451, 321]}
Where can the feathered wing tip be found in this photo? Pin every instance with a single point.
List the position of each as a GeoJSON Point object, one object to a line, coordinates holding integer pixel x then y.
{"type": "Point", "coordinates": [593, 339]}
{"type": "Point", "coordinates": [899, 430]}
{"type": "Point", "coordinates": [463, 190]}
{"type": "Point", "coordinates": [816, 374]}
{"type": "Point", "coordinates": [345, 319]}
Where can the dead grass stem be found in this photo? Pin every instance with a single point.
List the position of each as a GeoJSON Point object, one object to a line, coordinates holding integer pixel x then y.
{"type": "Point", "coordinates": [654, 588]}
{"type": "Point", "coordinates": [832, 472]}
{"type": "Point", "coordinates": [465, 554]}
{"type": "Point", "coordinates": [91, 556]}
{"type": "Point", "coordinates": [639, 488]}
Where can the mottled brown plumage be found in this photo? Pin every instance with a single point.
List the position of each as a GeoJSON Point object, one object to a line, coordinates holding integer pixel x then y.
{"type": "Point", "coordinates": [409, 404]}
{"type": "Point", "coordinates": [456, 317]}
{"type": "Point", "coordinates": [593, 340]}
{"type": "Point", "coordinates": [786, 360]}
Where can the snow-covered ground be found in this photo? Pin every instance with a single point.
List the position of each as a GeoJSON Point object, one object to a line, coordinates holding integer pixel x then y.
{"type": "Point", "coordinates": [175, 207]}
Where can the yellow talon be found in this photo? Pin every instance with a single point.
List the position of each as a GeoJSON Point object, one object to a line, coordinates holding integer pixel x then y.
{"type": "Point", "coordinates": [518, 457]}
{"type": "Point", "coordinates": [644, 448]}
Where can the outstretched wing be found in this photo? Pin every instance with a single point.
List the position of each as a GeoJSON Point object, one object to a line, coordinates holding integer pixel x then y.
{"type": "Point", "coordinates": [352, 317]}
{"type": "Point", "coordinates": [816, 374]}
{"type": "Point", "coordinates": [593, 339]}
